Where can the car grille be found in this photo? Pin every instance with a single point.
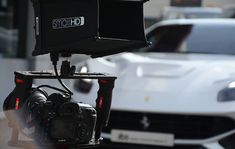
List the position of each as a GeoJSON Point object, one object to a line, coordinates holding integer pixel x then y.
{"type": "Point", "coordinates": [182, 126]}
{"type": "Point", "coordinates": [110, 145]}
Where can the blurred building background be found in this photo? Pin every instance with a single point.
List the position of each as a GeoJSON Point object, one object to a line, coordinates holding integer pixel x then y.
{"type": "Point", "coordinates": [154, 8]}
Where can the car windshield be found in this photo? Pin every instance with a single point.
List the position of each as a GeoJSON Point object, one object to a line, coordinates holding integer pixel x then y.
{"type": "Point", "coordinates": [202, 15]}
{"type": "Point", "coordinates": [201, 38]}
{"type": "Point", "coordinates": [192, 14]}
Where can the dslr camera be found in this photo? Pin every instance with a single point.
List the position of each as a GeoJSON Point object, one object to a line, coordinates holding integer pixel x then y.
{"type": "Point", "coordinates": [63, 28]}
{"type": "Point", "coordinates": [62, 121]}
{"type": "Point", "coordinates": [56, 119]}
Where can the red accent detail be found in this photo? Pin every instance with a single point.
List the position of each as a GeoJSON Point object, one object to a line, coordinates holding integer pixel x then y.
{"type": "Point", "coordinates": [103, 81]}
{"type": "Point", "coordinates": [17, 106]}
{"type": "Point", "coordinates": [101, 102]}
{"type": "Point", "coordinates": [19, 81]}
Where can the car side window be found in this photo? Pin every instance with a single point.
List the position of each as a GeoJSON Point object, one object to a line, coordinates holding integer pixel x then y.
{"type": "Point", "coordinates": [168, 38]}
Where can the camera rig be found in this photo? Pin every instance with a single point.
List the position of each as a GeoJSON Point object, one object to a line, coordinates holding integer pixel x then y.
{"type": "Point", "coordinates": [92, 27]}
{"type": "Point", "coordinates": [24, 80]}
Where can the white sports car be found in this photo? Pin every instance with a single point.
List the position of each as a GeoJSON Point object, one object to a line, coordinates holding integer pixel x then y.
{"type": "Point", "coordinates": [177, 93]}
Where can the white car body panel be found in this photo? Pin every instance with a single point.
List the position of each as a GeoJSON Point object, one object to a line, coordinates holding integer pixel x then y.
{"type": "Point", "coordinates": [187, 84]}
{"type": "Point", "coordinates": [169, 83]}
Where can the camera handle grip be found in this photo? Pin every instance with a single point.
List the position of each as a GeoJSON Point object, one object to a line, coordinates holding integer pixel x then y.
{"type": "Point", "coordinates": [19, 95]}
{"type": "Point", "coordinates": [103, 104]}
{"type": "Point", "coordinates": [14, 102]}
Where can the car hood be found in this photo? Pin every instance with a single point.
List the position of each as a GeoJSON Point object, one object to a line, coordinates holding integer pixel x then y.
{"type": "Point", "coordinates": [159, 82]}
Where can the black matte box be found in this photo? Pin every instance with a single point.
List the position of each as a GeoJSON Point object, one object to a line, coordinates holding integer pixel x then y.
{"type": "Point", "coordinates": [93, 27]}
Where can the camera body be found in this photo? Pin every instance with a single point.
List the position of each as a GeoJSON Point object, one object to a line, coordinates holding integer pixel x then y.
{"type": "Point", "coordinates": [58, 120]}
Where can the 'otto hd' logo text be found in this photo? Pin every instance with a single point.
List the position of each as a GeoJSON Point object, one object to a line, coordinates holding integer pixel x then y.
{"type": "Point", "coordinates": [68, 22]}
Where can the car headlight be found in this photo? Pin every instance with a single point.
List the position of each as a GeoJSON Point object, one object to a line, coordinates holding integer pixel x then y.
{"type": "Point", "coordinates": [83, 85]}
{"type": "Point", "coordinates": [227, 94]}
